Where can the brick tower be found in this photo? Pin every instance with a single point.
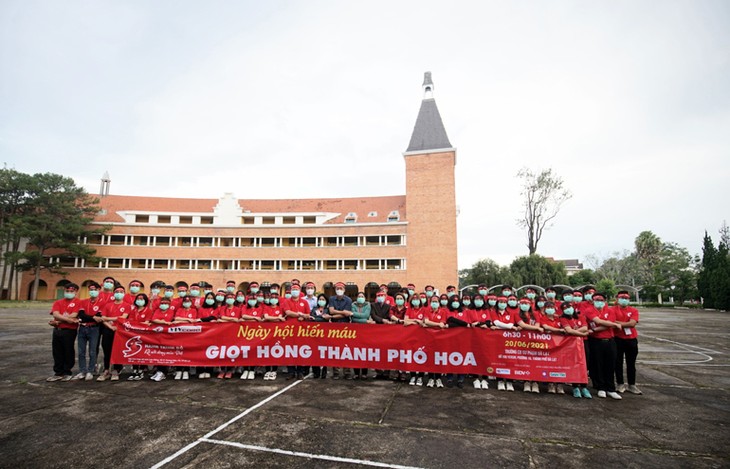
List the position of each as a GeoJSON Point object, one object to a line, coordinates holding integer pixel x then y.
{"type": "Point", "coordinates": [431, 198]}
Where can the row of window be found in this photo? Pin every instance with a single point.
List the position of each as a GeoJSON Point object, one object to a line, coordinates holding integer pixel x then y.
{"type": "Point", "coordinates": [236, 264]}
{"type": "Point", "coordinates": [351, 217]}
{"type": "Point", "coordinates": [246, 242]}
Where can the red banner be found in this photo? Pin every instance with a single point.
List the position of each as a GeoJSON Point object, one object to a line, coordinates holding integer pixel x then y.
{"type": "Point", "coordinates": [506, 354]}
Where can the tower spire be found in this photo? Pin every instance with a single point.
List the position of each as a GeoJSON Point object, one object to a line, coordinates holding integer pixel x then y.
{"type": "Point", "coordinates": [429, 132]}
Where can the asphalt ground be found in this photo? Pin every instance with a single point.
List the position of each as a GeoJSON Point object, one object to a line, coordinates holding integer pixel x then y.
{"type": "Point", "coordinates": [681, 420]}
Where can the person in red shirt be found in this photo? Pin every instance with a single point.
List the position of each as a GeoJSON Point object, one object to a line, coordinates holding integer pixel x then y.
{"type": "Point", "coordinates": [65, 324]}
{"type": "Point", "coordinates": [195, 295]}
{"type": "Point", "coordinates": [505, 318]}
{"type": "Point", "coordinates": [88, 334]}
{"type": "Point", "coordinates": [135, 286]}
{"type": "Point", "coordinates": [253, 311]}
{"type": "Point", "coordinates": [182, 293]}
{"type": "Point", "coordinates": [602, 321]}
{"type": "Point", "coordinates": [550, 322]}
{"type": "Point", "coordinates": [574, 324]}
{"type": "Point", "coordinates": [528, 320]}
{"type": "Point", "coordinates": [627, 342]}
{"type": "Point", "coordinates": [389, 300]}
{"type": "Point", "coordinates": [107, 291]}
{"type": "Point", "coordinates": [186, 314]}
{"type": "Point", "coordinates": [108, 323]}
{"type": "Point", "coordinates": [480, 316]}
{"type": "Point", "coordinates": [273, 312]}
{"type": "Point", "coordinates": [164, 315]}
{"type": "Point", "coordinates": [435, 317]}
{"type": "Point", "coordinates": [229, 312]}
{"type": "Point", "coordinates": [415, 315]}
{"type": "Point", "coordinates": [141, 314]}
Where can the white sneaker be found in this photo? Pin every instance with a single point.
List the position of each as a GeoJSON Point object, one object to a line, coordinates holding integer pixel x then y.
{"type": "Point", "coordinates": [202, 375]}
{"type": "Point", "coordinates": [178, 374]}
{"type": "Point", "coordinates": [477, 384]}
{"type": "Point", "coordinates": [528, 388]}
{"type": "Point", "coordinates": [244, 375]}
{"type": "Point", "coordinates": [614, 395]}
{"type": "Point", "coordinates": [412, 382]}
{"type": "Point", "coordinates": [88, 377]}
{"type": "Point", "coordinates": [78, 377]}
{"type": "Point", "coordinates": [509, 386]}
{"type": "Point", "coordinates": [500, 386]}
{"type": "Point", "coordinates": [419, 381]}
{"type": "Point", "coordinates": [273, 376]}
{"type": "Point", "coordinates": [559, 389]}
{"type": "Point", "coordinates": [602, 394]}
{"type": "Point", "coordinates": [621, 388]}
{"type": "Point", "coordinates": [159, 376]}
{"type": "Point", "coordinates": [485, 384]}
{"type": "Point", "coordinates": [439, 383]}
{"type": "Point", "coordinates": [103, 376]}
{"type": "Point", "coordinates": [430, 383]}
{"type": "Point", "coordinates": [186, 375]}
{"type": "Point", "coordinates": [251, 374]}
{"type": "Point", "coordinates": [551, 388]}
{"type": "Point", "coordinates": [634, 390]}
{"type": "Point", "coordinates": [267, 375]}
{"type": "Point", "coordinates": [535, 387]}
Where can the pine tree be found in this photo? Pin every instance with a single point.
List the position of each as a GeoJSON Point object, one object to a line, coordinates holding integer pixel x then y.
{"type": "Point", "coordinates": [707, 268]}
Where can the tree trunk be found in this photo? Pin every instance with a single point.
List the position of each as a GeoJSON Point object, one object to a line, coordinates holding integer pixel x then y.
{"type": "Point", "coordinates": [5, 272]}
{"type": "Point", "coordinates": [36, 282]}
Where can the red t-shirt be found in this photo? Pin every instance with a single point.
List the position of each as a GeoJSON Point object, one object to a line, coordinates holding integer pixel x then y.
{"type": "Point", "coordinates": [398, 313]}
{"type": "Point", "coordinates": [606, 314]}
{"type": "Point", "coordinates": [115, 310]}
{"type": "Point", "coordinates": [438, 315]}
{"type": "Point", "coordinates": [479, 315]}
{"type": "Point", "coordinates": [141, 315]}
{"type": "Point", "coordinates": [463, 315]}
{"type": "Point", "coordinates": [66, 308]}
{"type": "Point", "coordinates": [167, 316]}
{"type": "Point", "coordinates": [91, 306]}
{"type": "Point", "coordinates": [205, 311]}
{"type": "Point", "coordinates": [226, 311]}
{"type": "Point", "coordinates": [256, 312]}
{"type": "Point", "coordinates": [545, 320]}
{"type": "Point", "coordinates": [416, 313]}
{"type": "Point", "coordinates": [625, 315]}
{"type": "Point", "coordinates": [274, 311]}
{"type": "Point", "coordinates": [298, 305]}
{"type": "Point", "coordinates": [507, 317]}
{"type": "Point", "coordinates": [574, 323]}
{"type": "Point", "coordinates": [531, 319]}
{"type": "Point", "coordinates": [191, 313]}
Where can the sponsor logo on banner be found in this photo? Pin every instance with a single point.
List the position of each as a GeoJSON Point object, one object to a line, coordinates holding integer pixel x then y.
{"type": "Point", "coordinates": [490, 369]}
{"type": "Point", "coordinates": [555, 374]}
{"type": "Point", "coordinates": [188, 329]}
{"type": "Point", "coordinates": [132, 346]}
{"type": "Point", "coordinates": [521, 372]}
{"type": "Point", "coordinates": [503, 371]}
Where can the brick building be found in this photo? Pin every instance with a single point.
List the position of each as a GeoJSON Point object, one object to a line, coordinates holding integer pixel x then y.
{"type": "Point", "coordinates": [361, 241]}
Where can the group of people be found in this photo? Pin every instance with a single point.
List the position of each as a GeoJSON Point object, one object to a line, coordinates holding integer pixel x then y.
{"type": "Point", "coordinates": [608, 331]}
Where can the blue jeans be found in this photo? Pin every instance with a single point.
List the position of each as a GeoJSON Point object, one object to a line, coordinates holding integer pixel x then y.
{"type": "Point", "coordinates": [90, 336]}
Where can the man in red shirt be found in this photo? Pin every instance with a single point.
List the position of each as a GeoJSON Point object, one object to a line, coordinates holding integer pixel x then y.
{"type": "Point", "coordinates": [627, 343]}
{"type": "Point", "coordinates": [112, 312]}
{"type": "Point", "coordinates": [602, 321]}
{"type": "Point", "coordinates": [65, 323]}
{"type": "Point", "coordinates": [135, 286]}
{"type": "Point", "coordinates": [389, 300]}
{"type": "Point", "coordinates": [88, 334]}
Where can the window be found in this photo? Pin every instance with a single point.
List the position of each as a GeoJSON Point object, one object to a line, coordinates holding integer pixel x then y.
{"type": "Point", "coordinates": [309, 220]}
{"type": "Point", "coordinates": [372, 240]}
{"type": "Point", "coordinates": [394, 216]}
{"type": "Point", "coordinates": [162, 241]}
{"type": "Point", "coordinates": [289, 265]}
{"type": "Point", "coordinates": [225, 265]}
{"type": "Point", "coordinates": [116, 240]}
{"type": "Point", "coordinates": [246, 242]}
{"type": "Point", "coordinates": [372, 214]}
{"type": "Point", "coordinates": [372, 264]}
{"type": "Point", "coordinates": [136, 263]}
{"type": "Point", "coordinates": [350, 240]}
{"type": "Point", "coordinates": [184, 264]}
{"type": "Point", "coordinates": [186, 220]}
{"type": "Point", "coordinates": [205, 242]}
{"type": "Point", "coordinates": [205, 265]}
{"type": "Point", "coordinates": [115, 263]}
{"type": "Point", "coordinates": [141, 218]}
{"type": "Point", "coordinates": [351, 217]}
{"type": "Point", "coordinates": [393, 240]}
{"type": "Point", "coordinates": [350, 264]}
{"type": "Point", "coordinates": [245, 265]}
{"type": "Point", "coordinates": [309, 242]}
{"type": "Point", "coordinates": [268, 265]}
{"type": "Point", "coordinates": [268, 242]}
{"type": "Point", "coordinates": [139, 240]}
{"type": "Point", "coordinates": [393, 264]}
{"type": "Point", "coordinates": [206, 220]}
{"type": "Point", "coordinates": [67, 261]}
{"type": "Point", "coordinates": [289, 220]}
{"type": "Point", "coordinates": [248, 220]}
{"type": "Point", "coordinates": [185, 241]}
{"type": "Point", "coordinates": [268, 220]}
{"type": "Point", "coordinates": [330, 265]}
{"type": "Point", "coordinates": [226, 242]}
{"type": "Point", "coordinates": [289, 241]}
{"type": "Point", "coordinates": [309, 265]}
{"type": "Point", "coordinates": [330, 241]}
{"type": "Point", "coordinates": [164, 219]}
{"type": "Point", "coordinates": [93, 239]}
{"type": "Point", "coordinates": [158, 264]}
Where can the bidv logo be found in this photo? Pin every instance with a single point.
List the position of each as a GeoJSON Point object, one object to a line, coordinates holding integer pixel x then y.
{"type": "Point", "coordinates": [503, 371]}
{"type": "Point", "coordinates": [132, 347]}
{"type": "Point", "coordinates": [522, 373]}
{"type": "Point", "coordinates": [188, 329]}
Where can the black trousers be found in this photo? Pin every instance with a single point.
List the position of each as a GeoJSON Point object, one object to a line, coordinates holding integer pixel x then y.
{"type": "Point", "coordinates": [107, 341]}
{"type": "Point", "coordinates": [627, 349]}
{"type": "Point", "coordinates": [603, 354]}
{"type": "Point", "coordinates": [64, 352]}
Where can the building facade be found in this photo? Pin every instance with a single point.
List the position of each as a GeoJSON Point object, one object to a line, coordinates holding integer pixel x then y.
{"type": "Point", "coordinates": [363, 242]}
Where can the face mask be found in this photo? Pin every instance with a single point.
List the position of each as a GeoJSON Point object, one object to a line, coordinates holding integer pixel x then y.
{"type": "Point", "coordinates": [568, 298]}
{"type": "Point", "coordinates": [506, 292]}
{"type": "Point", "coordinates": [139, 303]}
{"type": "Point", "coordinates": [492, 302]}
{"type": "Point", "coordinates": [380, 299]}
{"type": "Point", "coordinates": [168, 294]}
{"type": "Point", "coordinates": [541, 304]}
{"type": "Point", "coordinates": [255, 290]}
{"type": "Point", "coordinates": [134, 290]}
{"type": "Point", "coordinates": [155, 291]}
{"type": "Point", "coordinates": [295, 293]}
{"type": "Point", "coordinates": [209, 301]}
{"type": "Point", "coordinates": [322, 303]}
{"type": "Point", "coordinates": [93, 293]}
{"type": "Point", "coordinates": [119, 296]}
{"type": "Point", "coordinates": [182, 294]}
{"type": "Point", "coordinates": [274, 290]}
{"type": "Point", "coordinates": [599, 304]}
{"type": "Point", "coordinates": [108, 285]}
{"type": "Point", "coordinates": [483, 292]}
{"type": "Point", "coordinates": [434, 305]}
{"type": "Point", "coordinates": [274, 301]}
{"type": "Point", "coordinates": [411, 292]}
{"type": "Point", "coordinates": [416, 303]}
{"type": "Point", "coordinates": [467, 302]}
{"type": "Point", "coordinates": [623, 301]}
{"type": "Point", "coordinates": [230, 289]}
{"type": "Point", "coordinates": [512, 303]}
{"type": "Point", "coordinates": [310, 291]}
{"type": "Point", "coordinates": [524, 307]}
{"type": "Point", "coordinates": [267, 301]}
{"type": "Point", "coordinates": [577, 299]}
{"type": "Point", "coordinates": [339, 292]}
{"type": "Point", "coordinates": [429, 293]}
{"type": "Point", "coordinates": [252, 302]}
{"type": "Point", "coordinates": [195, 293]}
{"type": "Point", "coordinates": [531, 296]}
{"type": "Point", "coordinates": [69, 295]}
{"type": "Point", "coordinates": [444, 302]}
{"type": "Point", "coordinates": [399, 301]}
{"type": "Point", "coordinates": [287, 296]}
{"type": "Point", "coordinates": [219, 298]}
{"type": "Point", "coordinates": [450, 293]}
{"type": "Point", "coordinates": [240, 299]}
{"type": "Point", "coordinates": [568, 311]}
{"type": "Point", "coordinates": [478, 303]}
{"type": "Point", "coordinates": [207, 291]}
{"type": "Point", "coordinates": [260, 299]}
{"type": "Point", "coordinates": [164, 307]}
{"type": "Point", "coordinates": [455, 304]}
{"type": "Point", "coordinates": [187, 305]}
{"type": "Point", "coordinates": [550, 295]}
{"type": "Point", "coordinates": [360, 301]}
{"type": "Point", "coordinates": [588, 296]}
{"type": "Point", "coordinates": [230, 301]}
{"type": "Point", "coordinates": [502, 306]}
{"type": "Point", "coordinates": [550, 311]}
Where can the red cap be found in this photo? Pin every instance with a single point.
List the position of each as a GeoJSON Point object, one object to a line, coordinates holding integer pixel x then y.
{"type": "Point", "coordinates": [339, 284]}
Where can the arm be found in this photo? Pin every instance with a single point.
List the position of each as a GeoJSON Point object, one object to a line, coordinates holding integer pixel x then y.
{"type": "Point", "coordinates": [530, 327]}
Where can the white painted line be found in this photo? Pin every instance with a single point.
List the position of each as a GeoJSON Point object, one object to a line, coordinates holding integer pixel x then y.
{"type": "Point", "coordinates": [685, 348]}
{"type": "Point", "coordinates": [707, 350]}
{"type": "Point", "coordinates": [223, 426]}
{"type": "Point", "coordinates": [362, 462]}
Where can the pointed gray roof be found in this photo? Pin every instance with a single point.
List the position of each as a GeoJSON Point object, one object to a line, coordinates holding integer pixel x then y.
{"type": "Point", "coordinates": [429, 132]}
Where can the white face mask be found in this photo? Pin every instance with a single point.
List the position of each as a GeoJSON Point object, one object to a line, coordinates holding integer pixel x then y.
{"type": "Point", "coordinates": [340, 292]}
{"type": "Point", "coordinates": [310, 291]}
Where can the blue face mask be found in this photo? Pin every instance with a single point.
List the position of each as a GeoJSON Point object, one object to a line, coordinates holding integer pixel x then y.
{"type": "Point", "coordinates": [492, 302]}
{"type": "Point", "coordinates": [139, 303]}
{"type": "Point", "coordinates": [455, 304]}
{"type": "Point", "coordinates": [540, 304]}
{"type": "Point", "coordinates": [524, 307]}
{"type": "Point", "coordinates": [274, 301]}
{"type": "Point", "coordinates": [549, 311]}
{"type": "Point", "coordinates": [512, 303]}
{"type": "Point", "coordinates": [502, 306]}
{"type": "Point", "coordinates": [623, 301]}
{"type": "Point", "coordinates": [478, 303]}
{"type": "Point", "coordinates": [119, 296]}
{"type": "Point", "coordinates": [416, 303]}
{"type": "Point", "coordinates": [209, 301]}
{"type": "Point", "coordinates": [467, 302]}
{"type": "Point", "coordinates": [252, 302]}
{"type": "Point", "coordinates": [588, 296]}
{"type": "Point", "coordinates": [483, 292]}
{"type": "Point", "coordinates": [444, 302]}
{"type": "Point", "coordinates": [568, 298]}
{"type": "Point", "coordinates": [568, 311]}
{"type": "Point", "coordinates": [134, 290]}
{"type": "Point", "coordinates": [164, 306]}
{"type": "Point", "coordinates": [599, 304]}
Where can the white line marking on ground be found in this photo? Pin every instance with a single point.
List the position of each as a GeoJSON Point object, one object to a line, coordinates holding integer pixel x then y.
{"type": "Point", "coordinates": [223, 426]}
{"type": "Point", "coordinates": [686, 348]}
{"type": "Point", "coordinates": [362, 462]}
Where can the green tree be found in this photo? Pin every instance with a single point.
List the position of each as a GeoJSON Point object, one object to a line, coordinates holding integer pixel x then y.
{"type": "Point", "coordinates": [583, 277]}
{"type": "Point", "coordinates": [544, 194]}
{"type": "Point", "coordinates": [647, 249]}
{"type": "Point", "coordinates": [485, 271]}
{"type": "Point", "coordinates": [537, 270]}
{"type": "Point", "coordinates": [59, 214]}
{"type": "Point", "coordinates": [707, 267]}
{"type": "Point", "coordinates": [607, 287]}
{"type": "Point", "coordinates": [15, 194]}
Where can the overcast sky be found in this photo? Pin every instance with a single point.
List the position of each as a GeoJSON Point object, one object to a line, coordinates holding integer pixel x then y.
{"type": "Point", "coordinates": [628, 101]}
